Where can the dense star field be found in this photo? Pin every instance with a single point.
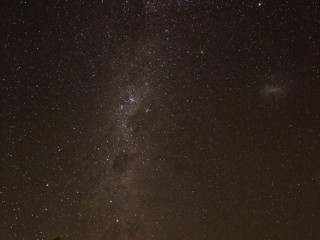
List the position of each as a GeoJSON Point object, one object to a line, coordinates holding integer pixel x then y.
{"type": "Point", "coordinates": [160, 120]}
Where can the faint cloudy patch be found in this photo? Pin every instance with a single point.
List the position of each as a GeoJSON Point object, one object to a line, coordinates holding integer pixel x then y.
{"type": "Point", "coordinates": [273, 91]}
{"type": "Point", "coordinates": [275, 88]}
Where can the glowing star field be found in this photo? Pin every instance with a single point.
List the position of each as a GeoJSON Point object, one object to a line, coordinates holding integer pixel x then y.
{"type": "Point", "coordinates": [160, 120]}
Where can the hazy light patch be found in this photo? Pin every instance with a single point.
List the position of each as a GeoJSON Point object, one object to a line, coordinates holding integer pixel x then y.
{"type": "Point", "coordinates": [273, 92]}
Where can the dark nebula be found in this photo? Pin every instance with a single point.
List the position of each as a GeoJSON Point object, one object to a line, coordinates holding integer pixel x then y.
{"type": "Point", "coordinates": [160, 119]}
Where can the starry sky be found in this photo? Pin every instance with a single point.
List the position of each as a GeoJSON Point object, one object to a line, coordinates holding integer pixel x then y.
{"type": "Point", "coordinates": [160, 119]}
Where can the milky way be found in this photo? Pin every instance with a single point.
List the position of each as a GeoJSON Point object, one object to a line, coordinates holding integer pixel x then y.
{"type": "Point", "coordinates": [128, 165]}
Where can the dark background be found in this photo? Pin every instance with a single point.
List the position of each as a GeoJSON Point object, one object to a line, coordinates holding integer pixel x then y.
{"type": "Point", "coordinates": [160, 119]}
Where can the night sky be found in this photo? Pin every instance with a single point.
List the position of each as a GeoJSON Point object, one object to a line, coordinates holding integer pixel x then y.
{"type": "Point", "coordinates": [160, 119]}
